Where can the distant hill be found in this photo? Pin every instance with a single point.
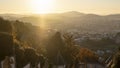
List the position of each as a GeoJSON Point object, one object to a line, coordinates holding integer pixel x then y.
{"type": "Point", "coordinates": [11, 16]}
{"type": "Point", "coordinates": [73, 21]}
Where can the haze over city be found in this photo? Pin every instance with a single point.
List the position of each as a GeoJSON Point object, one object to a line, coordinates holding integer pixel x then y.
{"type": "Point", "coordinates": [59, 33]}
{"type": "Point", "coordinates": [101, 7]}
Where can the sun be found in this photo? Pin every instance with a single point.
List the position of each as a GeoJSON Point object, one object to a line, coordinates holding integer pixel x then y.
{"type": "Point", "coordinates": [42, 6]}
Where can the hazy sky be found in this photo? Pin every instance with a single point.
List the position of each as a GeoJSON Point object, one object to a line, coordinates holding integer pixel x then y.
{"type": "Point", "coordinates": [86, 6]}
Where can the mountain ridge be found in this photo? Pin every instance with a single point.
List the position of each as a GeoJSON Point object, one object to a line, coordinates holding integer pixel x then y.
{"type": "Point", "coordinates": [76, 21]}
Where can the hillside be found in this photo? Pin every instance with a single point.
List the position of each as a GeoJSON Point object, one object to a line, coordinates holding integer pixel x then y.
{"type": "Point", "coordinates": [74, 21]}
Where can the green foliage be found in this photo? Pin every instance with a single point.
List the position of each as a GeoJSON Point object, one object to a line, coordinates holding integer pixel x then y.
{"type": "Point", "coordinates": [19, 55]}
{"type": "Point", "coordinates": [55, 44]}
{"type": "Point", "coordinates": [116, 60]}
{"type": "Point", "coordinates": [103, 43]}
{"type": "Point", "coordinates": [28, 46]}
{"type": "Point", "coordinates": [20, 29]}
{"type": "Point", "coordinates": [5, 26]}
{"type": "Point", "coordinates": [6, 45]}
{"type": "Point", "coordinates": [25, 55]}
{"type": "Point", "coordinates": [13, 46]}
{"type": "Point", "coordinates": [31, 56]}
{"type": "Point", "coordinates": [70, 51]}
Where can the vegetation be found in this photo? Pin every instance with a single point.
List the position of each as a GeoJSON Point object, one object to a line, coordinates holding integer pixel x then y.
{"type": "Point", "coordinates": [26, 43]}
{"type": "Point", "coordinates": [103, 43]}
{"type": "Point", "coordinates": [6, 46]}
{"type": "Point", "coordinates": [116, 60]}
{"type": "Point", "coordinates": [5, 26]}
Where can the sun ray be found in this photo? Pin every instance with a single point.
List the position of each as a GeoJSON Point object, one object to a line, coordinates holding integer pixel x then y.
{"type": "Point", "coordinates": [42, 6]}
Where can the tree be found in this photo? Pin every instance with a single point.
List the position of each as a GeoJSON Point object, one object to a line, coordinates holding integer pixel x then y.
{"type": "Point", "coordinates": [86, 54]}
{"type": "Point", "coordinates": [5, 26]}
{"type": "Point", "coordinates": [42, 61]}
{"type": "Point", "coordinates": [55, 44]}
{"type": "Point", "coordinates": [31, 57]}
{"type": "Point", "coordinates": [6, 45]}
{"type": "Point", "coordinates": [26, 55]}
{"type": "Point", "coordinates": [19, 55]}
{"type": "Point", "coordinates": [70, 51]}
{"type": "Point", "coordinates": [116, 60]}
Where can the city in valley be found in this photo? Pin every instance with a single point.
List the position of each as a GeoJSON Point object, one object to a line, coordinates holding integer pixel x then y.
{"type": "Point", "coordinates": [59, 34]}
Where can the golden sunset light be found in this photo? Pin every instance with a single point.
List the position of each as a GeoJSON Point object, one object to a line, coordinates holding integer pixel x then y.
{"type": "Point", "coordinates": [42, 6]}
{"type": "Point", "coordinates": [59, 33]}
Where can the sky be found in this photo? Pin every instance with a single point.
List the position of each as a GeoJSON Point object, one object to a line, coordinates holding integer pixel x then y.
{"type": "Point", "coordinates": [58, 6]}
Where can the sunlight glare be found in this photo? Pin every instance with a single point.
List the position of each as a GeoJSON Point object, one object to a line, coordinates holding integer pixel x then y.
{"type": "Point", "coordinates": [42, 6]}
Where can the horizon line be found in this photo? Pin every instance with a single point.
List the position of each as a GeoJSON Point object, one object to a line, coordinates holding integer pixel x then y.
{"type": "Point", "coordinates": [32, 13]}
